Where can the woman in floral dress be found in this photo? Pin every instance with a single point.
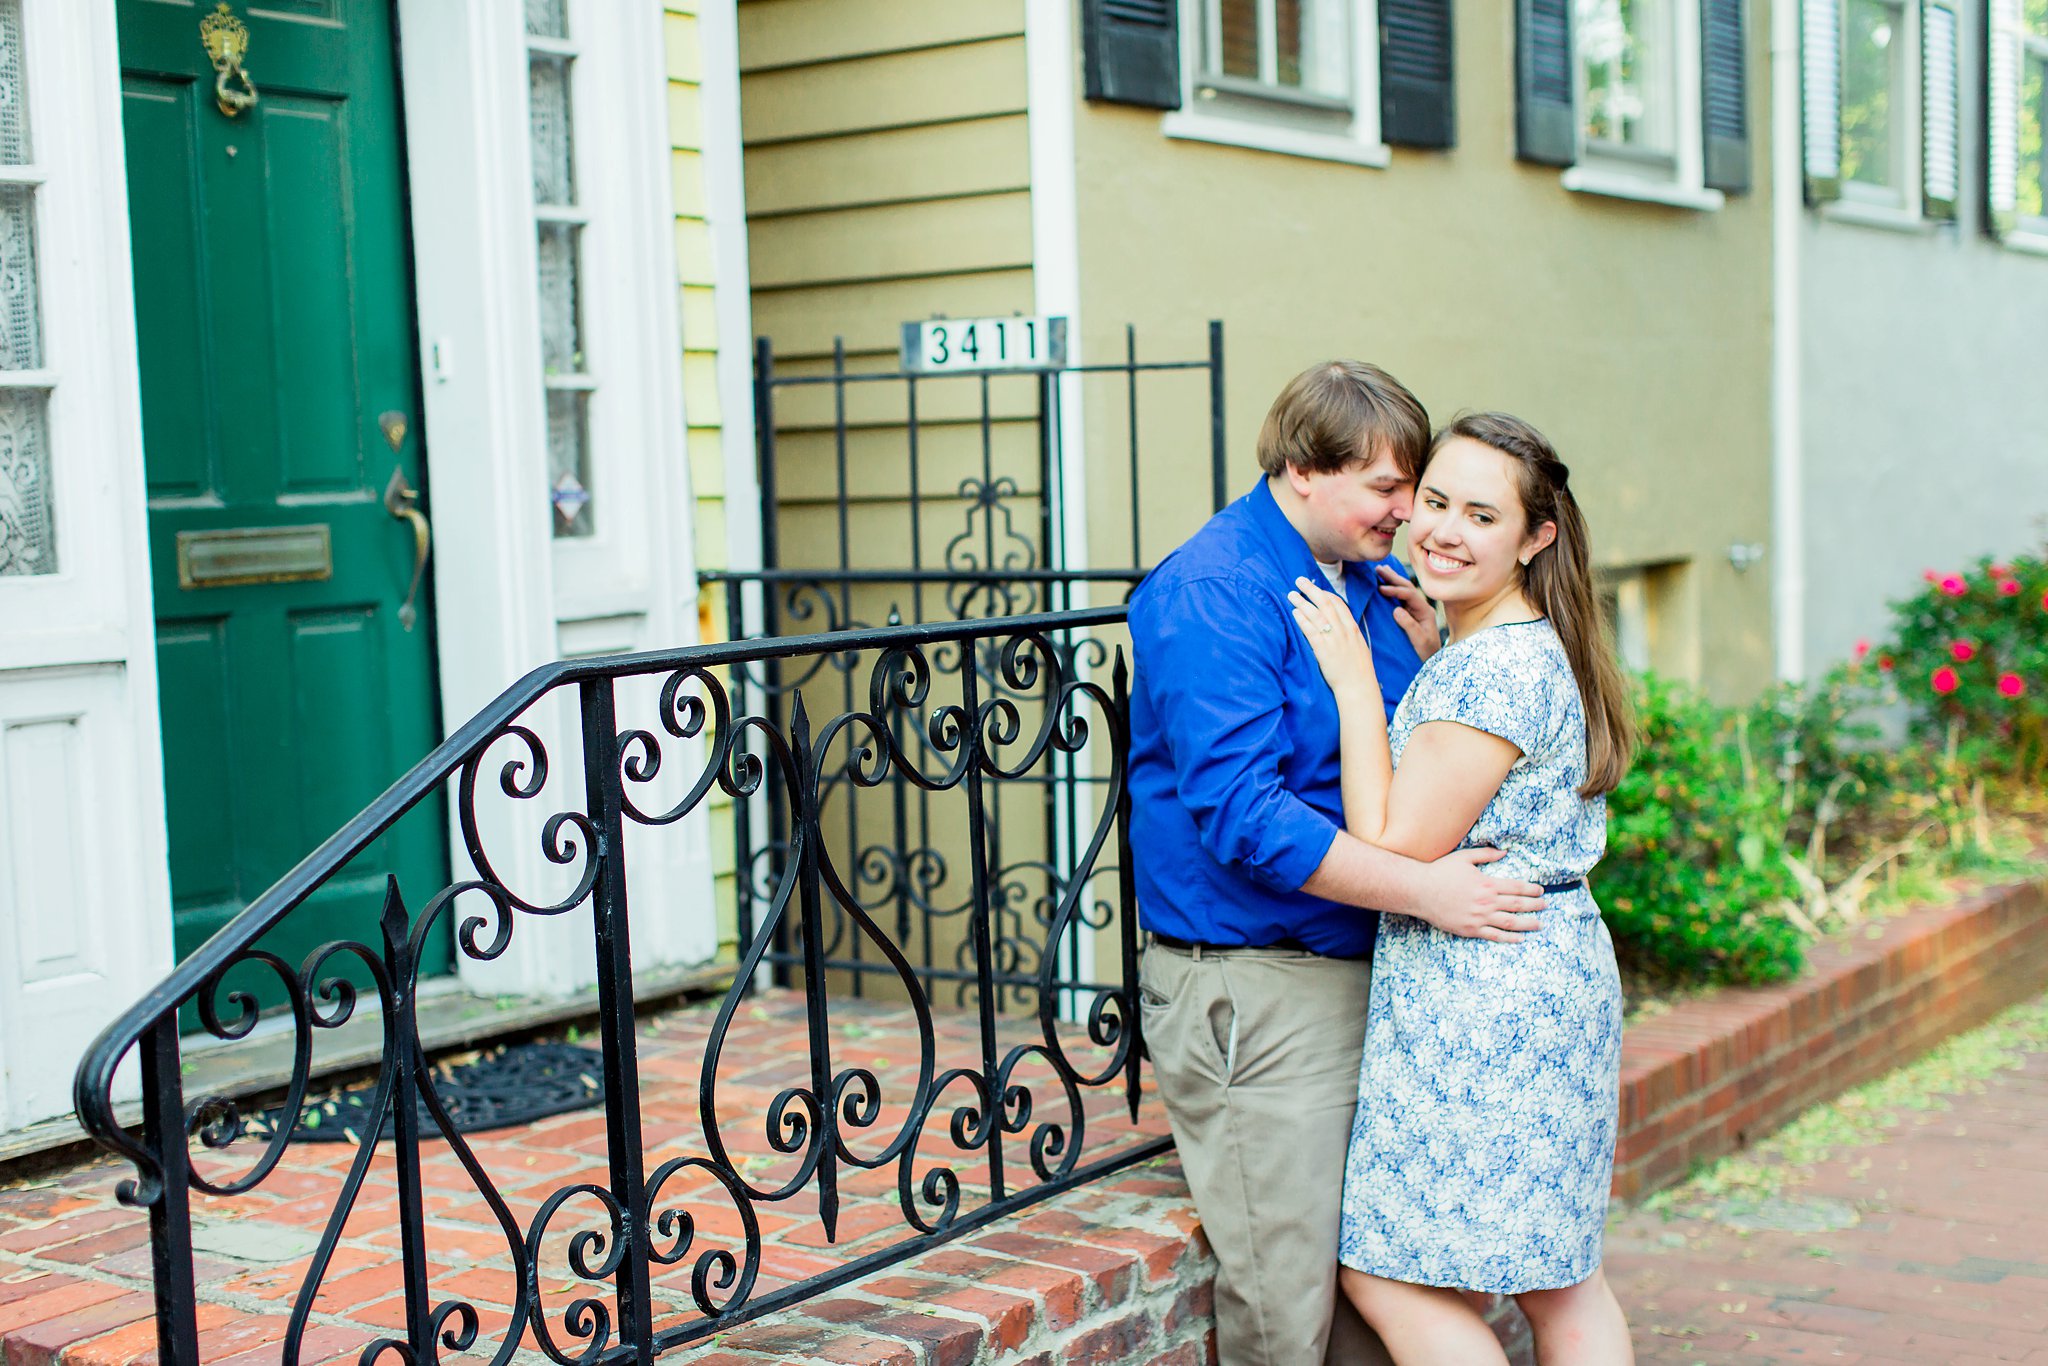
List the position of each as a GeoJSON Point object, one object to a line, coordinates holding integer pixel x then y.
{"type": "Point", "coordinates": [1484, 1144]}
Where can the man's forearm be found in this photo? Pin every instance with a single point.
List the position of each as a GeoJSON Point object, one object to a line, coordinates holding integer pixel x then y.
{"type": "Point", "coordinates": [1360, 874]}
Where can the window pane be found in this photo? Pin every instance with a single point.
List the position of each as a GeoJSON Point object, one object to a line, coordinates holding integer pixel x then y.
{"type": "Point", "coordinates": [548, 113]}
{"type": "Point", "coordinates": [1239, 54]}
{"type": "Point", "coordinates": [21, 333]}
{"type": "Point", "coordinates": [1871, 38]}
{"type": "Point", "coordinates": [1625, 53]}
{"type": "Point", "coordinates": [1314, 45]}
{"type": "Point", "coordinates": [569, 461]}
{"type": "Point", "coordinates": [2033, 178]}
{"type": "Point", "coordinates": [547, 18]}
{"type": "Point", "coordinates": [13, 96]}
{"type": "Point", "coordinates": [561, 321]}
{"type": "Point", "coordinates": [28, 536]}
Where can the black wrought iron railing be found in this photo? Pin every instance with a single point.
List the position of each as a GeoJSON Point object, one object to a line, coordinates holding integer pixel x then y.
{"type": "Point", "coordinates": [960, 712]}
{"type": "Point", "coordinates": [906, 850]}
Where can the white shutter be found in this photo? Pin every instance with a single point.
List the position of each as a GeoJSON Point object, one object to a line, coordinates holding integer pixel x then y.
{"type": "Point", "coordinates": [2001, 115]}
{"type": "Point", "coordinates": [1820, 73]}
{"type": "Point", "coordinates": [1938, 109]}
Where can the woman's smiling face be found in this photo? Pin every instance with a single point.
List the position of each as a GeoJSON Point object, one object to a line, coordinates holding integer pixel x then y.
{"type": "Point", "coordinates": [1469, 537]}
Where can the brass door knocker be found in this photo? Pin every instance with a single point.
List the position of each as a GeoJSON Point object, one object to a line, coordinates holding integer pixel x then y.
{"type": "Point", "coordinates": [227, 43]}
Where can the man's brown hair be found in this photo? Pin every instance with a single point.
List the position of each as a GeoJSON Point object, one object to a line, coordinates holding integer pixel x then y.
{"type": "Point", "coordinates": [1340, 411]}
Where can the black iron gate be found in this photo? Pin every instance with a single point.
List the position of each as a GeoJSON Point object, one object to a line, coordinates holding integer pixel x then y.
{"type": "Point", "coordinates": [893, 496]}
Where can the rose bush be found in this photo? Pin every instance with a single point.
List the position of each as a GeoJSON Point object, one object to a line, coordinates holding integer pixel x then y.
{"type": "Point", "coordinates": [1971, 659]}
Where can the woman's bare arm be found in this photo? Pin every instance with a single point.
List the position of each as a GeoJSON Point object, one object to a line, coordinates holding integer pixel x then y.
{"type": "Point", "coordinates": [1449, 772]}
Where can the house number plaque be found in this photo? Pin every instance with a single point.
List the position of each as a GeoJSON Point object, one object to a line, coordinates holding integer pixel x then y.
{"type": "Point", "coordinates": [262, 554]}
{"type": "Point", "coordinates": [954, 345]}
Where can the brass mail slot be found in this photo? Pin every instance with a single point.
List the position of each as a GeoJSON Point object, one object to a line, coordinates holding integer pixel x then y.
{"type": "Point", "coordinates": [258, 554]}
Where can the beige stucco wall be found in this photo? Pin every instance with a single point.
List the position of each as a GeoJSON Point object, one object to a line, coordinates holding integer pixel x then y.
{"type": "Point", "coordinates": [1635, 335]}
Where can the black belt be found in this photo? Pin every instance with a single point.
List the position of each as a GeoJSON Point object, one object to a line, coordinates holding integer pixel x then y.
{"type": "Point", "coordinates": [1293, 945]}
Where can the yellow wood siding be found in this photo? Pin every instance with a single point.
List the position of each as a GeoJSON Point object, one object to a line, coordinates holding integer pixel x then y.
{"type": "Point", "coordinates": [697, 282]}
{"type": "Point", "coordinates": [887, 166]}
{"type": "Point", "coordinates": [893, 166]}
{"type": "Point", "coordinates": [802, 32]}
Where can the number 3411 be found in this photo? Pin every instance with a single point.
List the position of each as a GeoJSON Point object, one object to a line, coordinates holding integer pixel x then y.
{"type": "Point", "coordinates": [951, 345]}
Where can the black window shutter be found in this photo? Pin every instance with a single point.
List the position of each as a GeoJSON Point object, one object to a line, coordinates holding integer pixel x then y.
{"type": "Point", "coordinates": [1131, 52]}
{"type": "Point", "coordinates": [1724, 95]}
{"type": "Point", "coordinates": [1416, 97]}
{"type": "Point", "coordinates": [1546, 123]}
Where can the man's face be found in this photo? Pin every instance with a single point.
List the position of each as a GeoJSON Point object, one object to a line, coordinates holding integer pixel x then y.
{"type": "Point", "coordinates": [1355, 513]}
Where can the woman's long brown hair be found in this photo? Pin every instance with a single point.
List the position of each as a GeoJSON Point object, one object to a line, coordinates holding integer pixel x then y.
{"type": "Point", "coordinates": [1559, 582]}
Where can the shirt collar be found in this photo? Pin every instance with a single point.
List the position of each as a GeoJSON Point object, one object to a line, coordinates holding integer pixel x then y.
{"type": "Point", "coordinates": [1361, 580]}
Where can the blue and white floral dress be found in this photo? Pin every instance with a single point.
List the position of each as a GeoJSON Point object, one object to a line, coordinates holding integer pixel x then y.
{"type": "Point", "coordinates": [1484, 1143]}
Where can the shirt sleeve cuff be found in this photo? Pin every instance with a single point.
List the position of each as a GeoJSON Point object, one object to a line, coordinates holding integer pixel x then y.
{"type": "Point", "coordinates": [1295, 845]}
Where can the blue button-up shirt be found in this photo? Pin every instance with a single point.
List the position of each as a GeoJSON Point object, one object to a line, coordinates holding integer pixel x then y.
{"type": "Point", "coordinates": [1234, 778]}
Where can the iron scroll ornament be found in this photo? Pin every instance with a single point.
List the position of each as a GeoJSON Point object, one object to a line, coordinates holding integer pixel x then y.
{"type": "Point", "coordinates": [965, 1136]}
{"type": "Point", "coordinates": [226, 40]}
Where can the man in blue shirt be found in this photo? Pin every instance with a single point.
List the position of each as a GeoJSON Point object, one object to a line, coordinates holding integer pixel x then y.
{"type": "Point", "coordinates": [1255, 981]}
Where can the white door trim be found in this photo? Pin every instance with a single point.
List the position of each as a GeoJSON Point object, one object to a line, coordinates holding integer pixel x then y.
{"type": "Point", "coordinates": [81, 759]}
{"type": "Point", "coordinates": [508, 595]}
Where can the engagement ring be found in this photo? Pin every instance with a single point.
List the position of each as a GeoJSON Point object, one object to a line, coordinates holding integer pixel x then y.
{"type": "Point", "coordinates": [1328, 627]}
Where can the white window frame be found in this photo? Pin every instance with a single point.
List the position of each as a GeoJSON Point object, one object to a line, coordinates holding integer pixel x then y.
{"type": "Point", "coordinates": [634, 432]}
{"type": "Point", "coordinates": [1272, 118]}
{"type": "Point", "coordinates": [1655, 164]}
{"type": "Point", "coordinates": [2031, 234]}
{"type": "Point", "coordinates": [574, 216]}
{"type": "Point", "coordinates": [1872, 205]}
{"type": "Point", "coordinates": [1680, 181]}
{"type": "Point", "coordinates": [511, 596]}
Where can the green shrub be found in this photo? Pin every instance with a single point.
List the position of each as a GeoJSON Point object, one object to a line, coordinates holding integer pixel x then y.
{"type": "Point", "coordinates": [1694, 877]}
{"type": "Point", "coordinates": [1834, 772]}
{"type": "Point", "coordinates": [1971, 658]}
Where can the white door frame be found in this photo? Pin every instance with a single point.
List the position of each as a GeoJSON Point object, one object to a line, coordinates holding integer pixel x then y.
{"type": "Point", "coordinates": [85, 904]}
{"type": "Point", "coordinates": [508, 595]}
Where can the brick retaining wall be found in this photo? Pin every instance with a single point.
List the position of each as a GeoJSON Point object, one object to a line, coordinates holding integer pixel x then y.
{"type": "Point", "coordinates": [1703, 1080]}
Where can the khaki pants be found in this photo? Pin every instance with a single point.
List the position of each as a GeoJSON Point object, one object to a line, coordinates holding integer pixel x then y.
{"type": "Point", "coordinates": [1256, 1052]}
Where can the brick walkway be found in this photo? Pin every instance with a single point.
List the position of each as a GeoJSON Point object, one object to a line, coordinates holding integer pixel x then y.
{"type": "Point", "coordinates": [74, 1266]}
{"type": "Point", "coordinates": [1929, 1248]}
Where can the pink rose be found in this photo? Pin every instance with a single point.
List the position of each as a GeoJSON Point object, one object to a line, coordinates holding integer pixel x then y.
{"type": "Point", "coordinates": [1945, 681]}
{"type": "Point", "coordinates": [2009, 587]}
{"type": "Point", "coordinates": [2000, 571]}
{"type": "Point", "coordinates": [1963, 651]}
{"type": "Point", "coordinates": [1930, 576]}
{"type": "Point", "coordinates": [2011, 685]}
{"type": "Point", "coordinates": [1862, 651]}
{"type": "Point", "coordinates": [1885, 663]}
{"type": "Point", "coordinates": [1954, 585]}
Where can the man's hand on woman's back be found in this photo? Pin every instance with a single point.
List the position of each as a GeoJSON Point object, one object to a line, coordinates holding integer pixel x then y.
{"type": "Point", "coordinates": [1460, 899]}
{"type": "Point", "coordinates": [1451, 893]}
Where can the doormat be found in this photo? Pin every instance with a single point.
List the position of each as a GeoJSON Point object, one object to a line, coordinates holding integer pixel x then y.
{"type": "Point", "coordinates": [493, 1089]}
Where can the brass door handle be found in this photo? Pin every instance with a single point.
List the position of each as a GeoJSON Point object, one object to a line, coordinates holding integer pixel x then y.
{"type": "Point", "coordinates": [402, 501]}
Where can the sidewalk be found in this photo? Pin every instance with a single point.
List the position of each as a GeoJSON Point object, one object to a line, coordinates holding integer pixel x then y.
{"type": "Point", "coordinates": [1929, 1246]}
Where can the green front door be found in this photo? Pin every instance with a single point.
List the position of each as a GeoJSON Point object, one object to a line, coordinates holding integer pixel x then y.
{"type": "Point", "coordinates": [279, 395]}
